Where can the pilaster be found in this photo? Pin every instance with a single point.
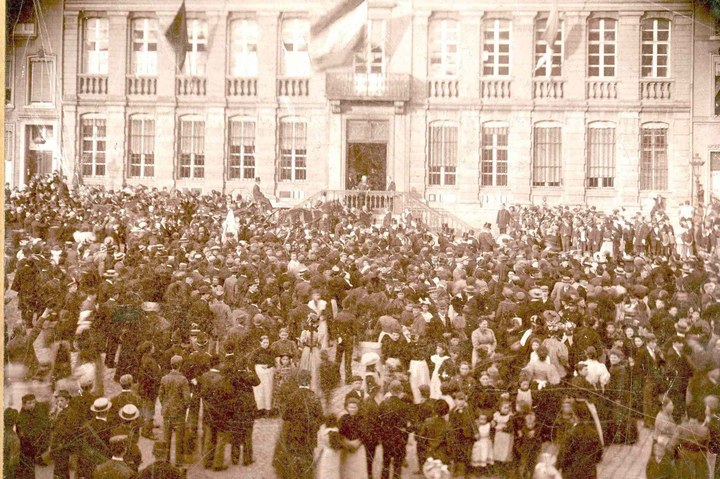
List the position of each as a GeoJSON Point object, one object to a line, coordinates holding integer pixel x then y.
{"type": "Point", "coordinates": [117, 54]}
{"type": "Point", "coordinates": [628, 56]}
{"type": "Point", "coordinates": [267, 51]}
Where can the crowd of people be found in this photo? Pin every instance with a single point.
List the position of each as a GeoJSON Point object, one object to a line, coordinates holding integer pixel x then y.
{"type": "Point", "coordinates": [522, 350]}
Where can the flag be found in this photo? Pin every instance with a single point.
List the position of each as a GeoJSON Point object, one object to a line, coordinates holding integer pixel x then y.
{"type": "Point", "coordinates": [549, 35]}
{"type": "Point", "coordinates": [336, 35]}
{"type": "Point", "coordinates": [177, 35]}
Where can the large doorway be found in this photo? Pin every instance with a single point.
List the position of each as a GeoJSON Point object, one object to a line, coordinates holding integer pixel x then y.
{"type": "Point", "coordinates": [40, 143]}
{"type": "Point", "coordinates": [366, 159]}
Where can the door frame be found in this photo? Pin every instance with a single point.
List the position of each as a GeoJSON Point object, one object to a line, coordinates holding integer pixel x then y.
{"type": "Point", "coordinates": [390, 143]}
{"type": "Point", "coordinates": [24, 147]}
{"type": "Point", "coordinates": [347, 150]}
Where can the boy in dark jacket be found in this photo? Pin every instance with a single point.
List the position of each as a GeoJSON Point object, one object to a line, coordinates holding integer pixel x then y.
{"type": "Point", "coordinates": [462, 425]}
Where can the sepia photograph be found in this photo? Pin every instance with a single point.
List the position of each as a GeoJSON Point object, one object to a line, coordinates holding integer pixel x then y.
{"type": "Point", "coordinates": [361, 239]}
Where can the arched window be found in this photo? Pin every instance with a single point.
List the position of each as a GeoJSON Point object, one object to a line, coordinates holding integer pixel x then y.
{"type": "Point", "coordinates": [96, 36]}
{"type": "Point", "coordinates": [601, 155]}
{"type": "Point", "coordinates": [141, 146]}
{"type": "Point", "coordinates": [653, 156]}
{"type": "Point", "coordinates": [442, 153]}
{"type": "Point", "coordinates": [547, 154]}
{"type": "Point", "coordinates": [293, 149]}
{"type": "Point", "coordinates": [93, 144]}
{"type": "Point", "coordinates": [494, 162]}
{"type": "Point", "coordinates": [241, 148]}
{"type": "Point", "coordinates": [191, 147]}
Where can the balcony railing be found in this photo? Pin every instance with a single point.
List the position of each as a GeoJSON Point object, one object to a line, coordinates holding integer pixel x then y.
{"type": "Point", "coordinates": [601, 89]}
{"type": "Point", "coordinates": [443, 88]}
{"type": "Point", "coordinates": [293, 87]}
{"type": "Point", "coordinates": [656, 89]}
{"type": "Point", "coordinates": [241, 86]}
{"type": "Point", "coordinates": [553, 88]}
{"type": "Point", "coordinates": [191, 86]}
{"type": "Point", "coordinates": [495, 88]}
{"type": "Point", "coordinates": [92, 84]}
{"type": "Point", "coordinates": [139, 85]}
{"type": "Point", "coordinates": [350, 86]}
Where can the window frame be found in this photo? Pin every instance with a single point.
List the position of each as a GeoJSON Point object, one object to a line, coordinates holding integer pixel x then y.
{"type": "Point", "coordinates": [496, 52]}
{"type": "Point", "coordinates": [300, 49]}
{"type": "Point", "coordinates": [243, 156]}
{"type": "Point", "coordinates": [240, 49]}
{"type": "Point", "coordinates": [86, 54]}
{"type": "Point", "coordinates": [294, 157]}
{"type": "Point", "coordinates": [10, 80]}
{"type": "Point", "coordinates": [193, 166]}
{"type": "Point", "coordinates": [553, 170]}
{"type": "Point", "coordinates": [143, 164]}
{"type": "Point", "coordinates": [444, 169]}
{"type": "Point", "coordinates": [148, 23]}
{"type": "Point", "coordinates": [602, 44]}
{"type": "Point", "coordinates": [601, 164]}
{"type": "Point", "coordinates": [491, 128]}
{"type": "Point", "coordinates": [95, 151]}
{"type": "Point", "coordinates": [715, 85]}
{"type": "Point", "coordinates": [655, 44]}
{"type": "Point", "coordinates": [441, 50]}
{"type": "Point", "coordinates": [654, 176]}
{"type": "Point", "coordinates": [558, 53]}
{"type": "Point", "coordinates": [51, 76]}
{"type": "Point", "coordinates": [196, 56]}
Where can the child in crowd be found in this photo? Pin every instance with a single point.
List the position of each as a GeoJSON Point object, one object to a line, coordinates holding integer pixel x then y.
{"type": "Point", "coordinates": [503, 425]}
{"type": "Point", "coordinates": [523, 396]}
{"type": "Point", "coordinates": [482, 452]}
{"type": "Point", "coordinates": [463, 429]}
{"type": "Point", "coordinates": [329, 378]}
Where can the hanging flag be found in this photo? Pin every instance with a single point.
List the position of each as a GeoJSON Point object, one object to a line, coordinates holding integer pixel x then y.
{"type": "Point", "coordinates": [335, 36]}
{"type": "Point", "coordinates": [549, 35]}
{"type": "Point", "coordinates": [177, 35]}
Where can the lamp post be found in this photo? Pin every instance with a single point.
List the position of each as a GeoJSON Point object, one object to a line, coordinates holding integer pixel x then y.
{"type": "Point", "coordinates": [696, 162]}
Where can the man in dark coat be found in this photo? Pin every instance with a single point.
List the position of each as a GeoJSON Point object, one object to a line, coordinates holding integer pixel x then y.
{"type": "Point", "coordinates": [174, 398]}
{"type": "Point", "coordinates": [396, 419]}
{"type": "Point", "coordinates": [115, 467]}
{"type": "Point", "coordinates": [96, 439]}
{"type": "Point", "coordinates": [582, 450]}
{"type": "Point", "coordinates": [161, 468]}
{"type": "Point", "coordinates": [503, 219]}
{"type": "Point", "coordinates": [65, 438]}
{"type": "Point", "coordinates": [125, 396]}
{"type": "Point", "coordinates": [345, 330]}
{"type": "Point", "coordinates": [241, 379]}
{"type": "Point", "coordinates": [214, 394]}
{"type": "Point", "coordinates": [298, 437]}
{"type": "Point", "coordinates": [33, 424]}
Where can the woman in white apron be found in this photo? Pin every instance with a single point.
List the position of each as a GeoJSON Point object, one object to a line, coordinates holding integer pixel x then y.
{"type": "Point", "coordinates": [437, 359]}
{"type": "Point", "coordinates": [264, 363]}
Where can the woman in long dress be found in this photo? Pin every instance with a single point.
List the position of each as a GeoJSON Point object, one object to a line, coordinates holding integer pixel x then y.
{"type": "Point", "coordinates": [310, 339]}
{"type": "Point", "coordinates": [327, 459]}
{"type": "Point", "coordinates": [353, 463]}
{"type": "Point", "coordinates": [264, 363]}
{"type": "Point", "coordinates": [437, 359]}
{"type": "Point", "coordinates": [419, 371]}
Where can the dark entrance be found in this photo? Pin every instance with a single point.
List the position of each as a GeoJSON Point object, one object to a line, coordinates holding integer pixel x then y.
{"type": "Point", "coordinates": [39, 150]}
{"type": "Point", "coordinates": [366, 159]}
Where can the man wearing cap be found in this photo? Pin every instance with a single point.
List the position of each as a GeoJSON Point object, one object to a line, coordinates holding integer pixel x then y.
{"type": "Point", "coordinates": [174, 395]}
{"type": "Point", "coordinates": [32, 427]}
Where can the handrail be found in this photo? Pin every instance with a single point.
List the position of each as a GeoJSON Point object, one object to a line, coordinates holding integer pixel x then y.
{"type": "Point", "coordinates": [435, 218]}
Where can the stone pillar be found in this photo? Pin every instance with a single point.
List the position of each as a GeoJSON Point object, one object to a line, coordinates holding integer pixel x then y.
{"type": "Point", "coordinates": [216, 68]}
{"type": "Point", "coordinates": [467, 177]}
{"type": "Point", "coordinates": [166, 62]}
{"type": "Point", "coordinates": [214, 148]}
{"type": "Point", "coordinates": [628, 56]}
{"type": "Point", "coordinates": [573, 157]}
{"type": "Point", "coordinates": [419, 50]}
{"type": "Point", "coordinates": [268, 49]}
{"type": "Point", "coordinates": [336, 130]}
{"type": "Point", "coordinates": [681, 57]}
{"type": "Point", "coordinates": [266, 146]}
{"type": "Point", "coordinates": [67, 139]}
{"type": "Point", "coordinates": [470, 55]}
{"type": "Point", "coordinates": [520, 156]}
{"type": "Point", "coordinates": [522, 57]}
{"type": "Point", "coordinates": [627, 161]}
{"type": "Point", "coordinates": [115, 150]}
{"type": "Point", "coordinates": [117, 54]}
{"type": "Point", "coordinates": [575, 62]}
{"type": "Point", "coordinates": [73, 47]}
{"type": "Point", "coordinates": [165, 146]}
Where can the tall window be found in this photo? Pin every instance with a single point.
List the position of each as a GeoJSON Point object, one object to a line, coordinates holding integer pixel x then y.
{"type": "Point", "coordinates": [9, 79]}
{"type": "Point", "coordinates": [142, 146]}
{"type": "Point", "coordinates": [444, 47]}
{"type": "Point", "coordinates": [242, 149]}
{"type": "Point", "coordinates": [295, 57]}
{"type": "Point", "coordinates": [496, 48]}
{"type": "Point", "coordinates": [547, 156]}
{"type": "Point", "coordinates": [42, 72]}
{"type": "Point", "coordinates": [96, 46]}
{"type": "Point", "coordinates": [655, 48]}
{"type": "Point", "coordinates": [653, 157]}
{"type": "Point", "coordinates": [293, 149]}
{"type": "Point", "coordinates": [93, 145]}
{"type": "Point", "coordinates": [145, 37]}
{"type": "Point", "coordinates": [602, 42]}
{"type": "Point", "coordinates": [494, 165]}
{"type": "Point", "coordinates": [196, 56]}
{"type": "Point", "coordinates": [716, 91]}
{"type": "Point", "coordinates": [243, 48]}
{"type": "Point", "coordinates": [601, 155]}
{"type": "Point", "coordinates": [192, 147]}
{"type": "Point", "coordinates": [548, 63]}
{"type": "Point", "coordinates": [442, 158]}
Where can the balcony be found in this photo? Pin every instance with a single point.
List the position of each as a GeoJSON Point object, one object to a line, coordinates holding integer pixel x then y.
{"type": "Point", "coordinates": [92, 84]}
{"type": "Point", "coordinates": [495, 88]}
{"type": "Point", "coordinates": [293, 86]}
{"type": "Point", "coordinates": [443, 88]}
{"type": "Point", "coordinates": [548, 87]}
{"type": "Point", "coordinates": [141, 85]}
{"type": "Point", "coordinates": [393, 87]}
{"type": "Point", "coordinates": [597, 89]}
{"type": "Point", "coordinates": [190, 85]}
{"type": "Point", "coordinates": [656, 89]}
{"type": "Point", "coordinates": [241, 87]}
